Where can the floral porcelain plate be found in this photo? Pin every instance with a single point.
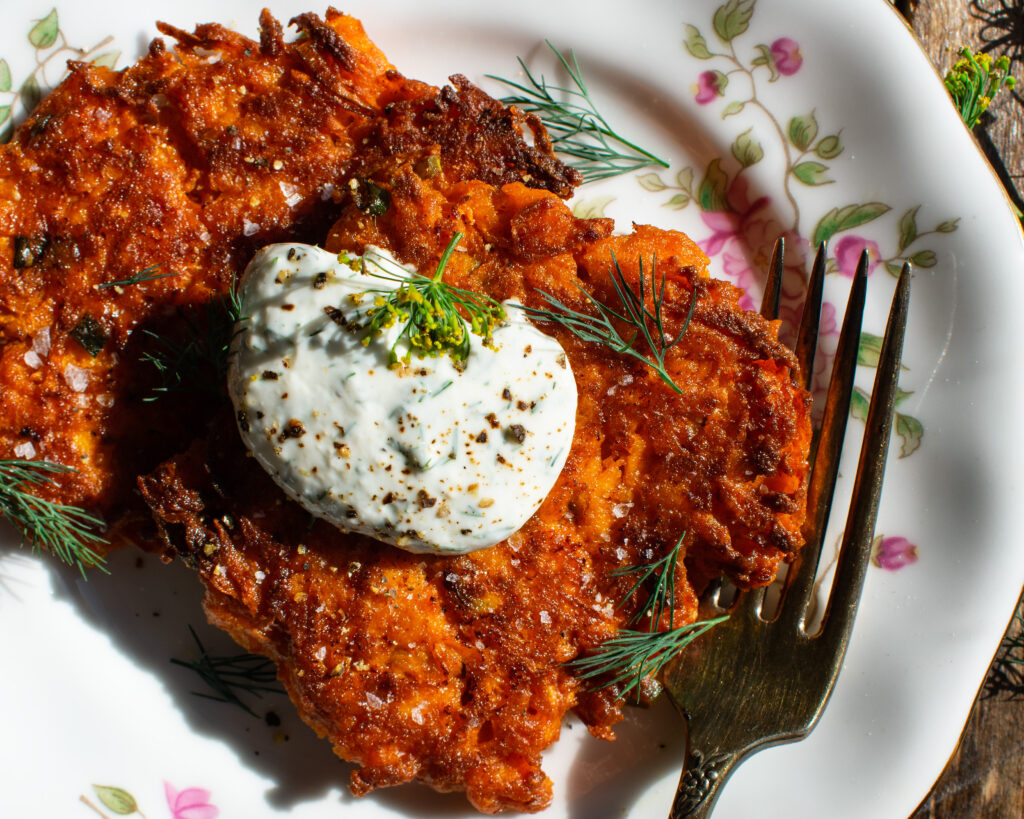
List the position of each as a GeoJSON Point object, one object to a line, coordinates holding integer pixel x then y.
{"type": "Point", "coordinates": [815, 120]}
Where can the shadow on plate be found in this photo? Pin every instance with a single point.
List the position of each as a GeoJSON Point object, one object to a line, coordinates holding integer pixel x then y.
{"type": "Point", "coordinates": [146, 609]}
{"type": "Point", "coordinates": [609, 778]}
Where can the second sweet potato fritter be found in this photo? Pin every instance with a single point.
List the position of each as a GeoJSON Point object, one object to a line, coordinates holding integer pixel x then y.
{"type": "Point", "coordinates": [451, 670]}
{"type": "Point", "coordinates": [191, 159]}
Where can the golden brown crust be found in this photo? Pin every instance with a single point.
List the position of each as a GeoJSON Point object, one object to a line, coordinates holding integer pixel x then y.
{"type": "Point", "coordinates": [190, 159]}
{"type": "Point", "coordinates": [451, 670]}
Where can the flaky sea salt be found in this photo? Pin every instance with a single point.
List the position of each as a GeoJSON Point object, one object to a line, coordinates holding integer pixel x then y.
{"type": "Point", "coordinates": [76, 377]}
{"type": "Point", "coordinates": [41, 343]}
{"type": "Point", "coordinates": [249, 228]}
{"type": "Point", "coordinates": [291, 195]}
{"type": "Point", "coordinates": [40, 349]}
{"type": "Point", "coordinates": [25, 451]}
{"type": "Point", "coordinates": [545, 618]}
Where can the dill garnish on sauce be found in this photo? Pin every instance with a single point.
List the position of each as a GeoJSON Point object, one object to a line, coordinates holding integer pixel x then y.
{"type": "Point", "coordinates": [578, 130]}
{"type": "Point", "coordinates": [644, 322]}
{"type": "Point", "coordinates": [69, 532]}
{"type": "Point", "coordinates": [430, 311]}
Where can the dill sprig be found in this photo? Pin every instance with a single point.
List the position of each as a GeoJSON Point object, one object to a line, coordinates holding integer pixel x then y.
{"type": "Point", "coordinates": [631, 655]}
{"type": "Point", "coordinates": [147, 274]}
{"type": "Point", "coordinates": [974, 81]}
{"type": "Point", "coordinates": [429, 309]}
{"type": "Point", "coordinates": [645, 322]}
{"type": "Point", "coordinates": [69, 532]}
{"type": "Point", "coordinates": [662, 597]}
{"type": "Point", "coordinates": [226, 676]}
{"type": "Point", "coordinates": [199, 361]}
{"type": "Point", "coordinates": [577, 128]}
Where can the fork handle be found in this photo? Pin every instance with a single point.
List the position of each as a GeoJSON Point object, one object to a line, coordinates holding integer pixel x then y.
{"type": "Point", "coordinates": [700, 783]}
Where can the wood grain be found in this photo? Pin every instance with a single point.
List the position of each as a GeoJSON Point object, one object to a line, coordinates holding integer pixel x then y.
{"type": "Point", "coordinates": [985, 775]}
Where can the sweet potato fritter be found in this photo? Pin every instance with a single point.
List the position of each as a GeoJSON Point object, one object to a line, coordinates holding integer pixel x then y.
{"type": "Point", "coordinates": [451, 670]}
{"type": "Point", "coordinates": [190, 160]}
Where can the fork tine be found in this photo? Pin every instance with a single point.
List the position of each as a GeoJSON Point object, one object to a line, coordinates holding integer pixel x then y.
{"type": "Point", "coordinates": [867, 485]}
{"type": "Point", "coordinates": [712, 592]}
{"type": "Point", "coordinates": [807, 337]}
{"type": "Point", "coordinates": [753, 602]}
{"type": "Point", "coordinates": [825, 468]}
{"type": "Point", "coordinates": [773, 284]}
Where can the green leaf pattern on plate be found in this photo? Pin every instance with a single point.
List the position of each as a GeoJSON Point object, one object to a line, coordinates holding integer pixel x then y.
{"type": "Point", "coordinates": [809, 147]}
{"type": "Point", "coordinates": [116, 799]}
{"type": "Point", "coordinates": [44, 33]}
{"type": "Point", "coordinates": [592, 208]}
{"type": "Point", "coordinates": [733, 79]}
{"type": "Point", "coordinates": [696, 44]}
{"type": "Point", "coordinates": [846, 218]}
{"type": "Point", "coordinates": [733, 19]}
{"type": "Point", "coordinates": [812, 173]}
{"type": "Point", "coordinates": [802, 131]}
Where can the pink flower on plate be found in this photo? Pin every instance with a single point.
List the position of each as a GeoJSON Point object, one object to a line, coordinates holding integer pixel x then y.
{"type": "Point", "coordinates": [709, 86]}
{"type": "Point", "coordinates": [191, 803]}
{"type": "Point", "coordinates": [848, 250]}
{"type": "Point", "coordinates": [893, 553]}
{"type": "Point", "coordinates": [787, 56]}
{"type": "Point", "coordinates": [744, 236]}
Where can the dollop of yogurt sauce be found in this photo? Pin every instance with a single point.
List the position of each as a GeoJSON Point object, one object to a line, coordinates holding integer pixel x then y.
{"type": "Point", "coordinates": [428, 456]}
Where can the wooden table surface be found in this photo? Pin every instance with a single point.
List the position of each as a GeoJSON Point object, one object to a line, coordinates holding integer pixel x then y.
{"type": "Point", "coordinates": [985, 777]}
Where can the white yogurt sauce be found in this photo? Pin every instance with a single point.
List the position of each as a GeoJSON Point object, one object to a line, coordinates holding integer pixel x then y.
{"type": "Point", "coordinates": [426, 456]}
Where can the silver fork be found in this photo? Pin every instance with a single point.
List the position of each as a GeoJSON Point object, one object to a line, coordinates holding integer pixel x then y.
{"type": "Point", "coordinates": [752, 682]}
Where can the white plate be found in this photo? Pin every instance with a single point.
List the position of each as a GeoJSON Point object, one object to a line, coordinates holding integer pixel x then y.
{"type": "Point", "coordinates": [90, 697]}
